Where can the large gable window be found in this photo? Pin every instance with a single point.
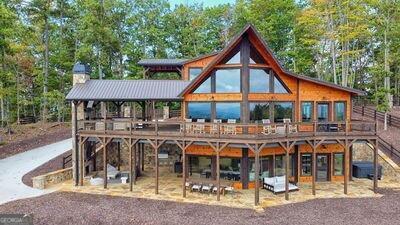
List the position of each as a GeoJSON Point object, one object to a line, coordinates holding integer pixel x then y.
{"type": "Point", "coordinates": [227, 81]}
{"type": "Point", "coordinates": [205, 87]}
{"type": "Point", "coordinates": [227, 110]}
{"type": "Point", "coordinates": [235, 59]}
{"type": "Point", "coordinates": [278, 87]}
{"type": "Point", "coordinates": [283, 110]}
{"type": "Point", "coordinates": [194, 72]}
{"type": "Point", "coordinates": [259, 111]}
{"type": "Point", "coordinates": [199, 110]}
{"type": "Point", "coordinates": [259, 81]}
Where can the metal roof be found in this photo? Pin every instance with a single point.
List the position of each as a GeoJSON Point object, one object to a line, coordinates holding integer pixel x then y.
{"type": "Point", "coordinates": [126, 90]}
{"type": "Point", "coordinates": [162, 62]}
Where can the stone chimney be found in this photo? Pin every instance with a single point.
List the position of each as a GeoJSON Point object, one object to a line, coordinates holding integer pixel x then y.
{"type": "Point", "coordinates": [81, 73]}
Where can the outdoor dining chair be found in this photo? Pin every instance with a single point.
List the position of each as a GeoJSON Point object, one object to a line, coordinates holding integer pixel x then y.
{"type": "Point", "coordinates": [230, 129]}
{"type": "Point", "coordinates": [186, 127]}
{"type": "Point", "coordinates": [214, 126]}
{"type": "Point", "coordinates": [292, 127]}
{"type": "Point", "coordinates": [199, 126]}
{"type": "Point", "coordinates": [267, 127]}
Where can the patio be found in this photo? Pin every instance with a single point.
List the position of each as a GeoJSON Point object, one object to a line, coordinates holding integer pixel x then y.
{"type": "Point", "coordinates": [170, 190]}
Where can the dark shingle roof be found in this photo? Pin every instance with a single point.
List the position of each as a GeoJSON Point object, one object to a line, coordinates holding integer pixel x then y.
{"type": "Point", "coordinates": [115, 90]}
{"type": "Point", "coordinates": [162, 62]}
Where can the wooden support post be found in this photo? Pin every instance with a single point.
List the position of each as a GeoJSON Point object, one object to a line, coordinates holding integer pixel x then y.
{"type": "Point", "coordinates": [81, 162]}
{"type": "Point", "coordinates": [314, 167]}
{"type": "Point", "coordinates": [218, 175]}
{"type": "Point", "coordinates": [119, 156]}
{"type": "Point", "coordinates": [376, 174]}
{"type": "Point", "coordinates": [134, 163]}
{"type": "Point", "coordinates": [244, 165]}
{"type": "Point", "coordinates": [287, 172]}
{"type": "Point", "coordinates": [105, 162]}
{"type": "Point", "coordinates": [142, 157]}
{"type": "Point", "coordinates": [75, 137]}
{"type": "Point", "coordinates": [256, 177]}
{"type": "Point", "coordinates": [213, 167]}
{"type": "Point", "coordinates": [130, 164]}
{"type": "Point", "coordinates": [183, 170]}
{"type": "Point", "coordinates": [156, 165]}
{"type": "Point", "coordinates": [346, 167]}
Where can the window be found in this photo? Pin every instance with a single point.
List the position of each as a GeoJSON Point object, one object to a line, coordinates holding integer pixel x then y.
{"type": "Point", "coordinates": [255, 57]}
{"type": "Point", "coordinates": [259, 81]}
{"type": "Point", "coordinates": [338, 164]}
{"type": "Point", "coordinates": [306, 166]}
{"type": "Point", "coordinates": [280, 163]}
{"type": "Point", "coordinates": [205, 87]}
{"type": "Point", "coordinates": [340, 114]}
{"type": "Point", "coordinates": [227, 81]}
{"type": "Point", "coordinates": [259, 111]}
{"type": "Point", "coordinates": [306, 111]}
{"type": "Point", "coordinates": [323, 112]}
{"type": "Point", "coordinates": [227, 111]}
{"type": "Point", "coordinates": [235, 59]}
{"type": "Point", "coordinates": [282, 110]}
{"type": "Point", "coordinates": [278, 87]}
{"type": "Point", "coordinates": [199, 110]}
{"type": "Point", "coordinates": [194, 72]}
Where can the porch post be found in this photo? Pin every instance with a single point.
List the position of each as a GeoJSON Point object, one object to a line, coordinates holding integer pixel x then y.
{"type": "Point", "coordinates": [75, 145]}
{"type": "Point", "coordinates": [287, 173]}
{"type": "Point", "coordinates": [130, 165]}
{"type": "Point", "coordinates": [244, 167]}
{"type": "Point", "coordinates": [142, 156]}
{"type": "Point", "coordinates": [376, 174]}
{"type": "Point", "coordinates": [156, 165]}
{"type": "Point", "coordinates": [218, 175]}
{"type": "Point", "coordinates": [105, 162]}
{"type": "Point", "coordinates": [314, 167]}
{"type": "Point", "coordinates": [346, 167]}
{"type": "Point", "coordinates": [134, 163]}
{"type": "Point", "coordinates": [119, 155]}
{"type": "Point", "coordinates": [256, 177]}
{"type": "Point", "coordinates": [81, 162]}
{"type": "Point", "coordinates": [184, 170]}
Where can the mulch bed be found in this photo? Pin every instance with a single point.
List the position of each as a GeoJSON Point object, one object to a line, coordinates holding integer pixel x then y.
{"type": "Point", "coordinates": [75, 208]}
{"type": "Point", "coordinates": [30, 141]}
{"type": "Point", "coordinates": [50, 166]}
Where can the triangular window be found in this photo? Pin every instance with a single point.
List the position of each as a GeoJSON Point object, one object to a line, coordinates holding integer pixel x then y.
{"type": "Point", "coordinates": [205, 87]}
{"type": "Point", "coordinates": [235, 59]}
{"type": "Point", "coordinates": [255, 57]}
{"type": "Point", "coordinates": [279, 87]}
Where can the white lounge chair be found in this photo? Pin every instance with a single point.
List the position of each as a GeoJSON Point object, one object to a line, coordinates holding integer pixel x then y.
{"type": "Point", "coordinates": [267, 127]}
{"type": "Point", "coordinates": [230, 129]}
{"type": "Point", "coordinates": [277, 184]}
{"type": "Point", "coordinates": [187, 128]}
{"type": "Point", "coordinates": [292, 127]}
{"type": "Point", "coordinates": [199, 128]}
{"type": "Point", "coordinates": [112, 172]}
{"type": "Point", "coordinates": [214, 127]}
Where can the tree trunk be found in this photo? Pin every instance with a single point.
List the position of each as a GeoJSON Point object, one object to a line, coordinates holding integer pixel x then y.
{"type": "Point", "coordinates": [385, 121]}
{"type": "Point", "coordinates": [46, 62]}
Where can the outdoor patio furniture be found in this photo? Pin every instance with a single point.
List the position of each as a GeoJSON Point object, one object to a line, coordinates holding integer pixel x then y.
{"type": "Point", "coordinates": [221, 189]}
{"type": "Point", "coordinates": [99, 126]}
{"type": "Point", "coordinates": [267, 127]}
{"type": "Point", "coordinates": [119, 125]}
{"type": "Point", "coordinates": [96, 181]}
{"type": "Point", "coordinates": [124, 180]}
{"type": "Point", "coordinates": [187, 127]}
{"type": "Point", "coordinates": [112, 172]}
{"type": "Point", "coordinates": [230, 129]}
{"type": "Point", "coordinates": [292, 127]}
{"type": "Point", "coordinates": [188, 185]}
{"type": "Point", "coordinates": [277, 184]}
{"type": "Point", "coordinates": [207, 188]}
{"type": "Point", "coordinates": [199, 126]}
{"type": "Point", "coordinates": [229, 189]}
{"type": "Point", "coordinates": [214, 127]}
{"type": "Point", "coordinates": [196, 187]}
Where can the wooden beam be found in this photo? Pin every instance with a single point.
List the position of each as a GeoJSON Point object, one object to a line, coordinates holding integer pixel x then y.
{"type": "Point", "coordinates": [81, 161]}
{"type": "Point", "coordinates": [256, 177]}
{"type": "Point", "coordinates": [130, 165]}
{"type": "Point", "coordinates": [156, 165]}
{"type": "Point", "coordinates": [105, 164]}
{"type": "Point", "coordinates": [183, 170]}
{"type": "Point", "coordinates": [75, 140]}
{"type": "Point", "coordinates": [346, 166]}
{"type": "Point", "coordinates": [218, 175]}
{"type": "Point", "coordinates": [376, 174]}
{"type": "Point", "coordinates": [314, 167]}
{"type": "Point", "coordinates": [287, 172]}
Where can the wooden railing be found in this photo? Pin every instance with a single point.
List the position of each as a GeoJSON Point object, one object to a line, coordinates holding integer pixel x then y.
{"type": "Point", "coordinates": [225, 130]}
{"type": "Point", "coordinates": [376, 115]}
{"type": "Point", "coordinates": [66, 159]}
{"type": "Point", "coordinates": [389, 150]}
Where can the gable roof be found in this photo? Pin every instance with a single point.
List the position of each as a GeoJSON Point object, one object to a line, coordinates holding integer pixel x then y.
{"type": "Point", "coordinates": [161, 62]}
{"type": "Point", "coordinates": [275, 64]}
{"type": "Point", "coordinates": [115, 90]}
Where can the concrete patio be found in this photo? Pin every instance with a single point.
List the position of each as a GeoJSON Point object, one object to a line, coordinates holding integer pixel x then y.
{"type": "Point", "coordinates": [170, 190]}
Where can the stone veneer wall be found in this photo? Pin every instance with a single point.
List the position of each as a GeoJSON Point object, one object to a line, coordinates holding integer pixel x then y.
{"type": "Point", "coordinates": [43, 181]}
{"type": "Point", "coordinates": [362, 152]}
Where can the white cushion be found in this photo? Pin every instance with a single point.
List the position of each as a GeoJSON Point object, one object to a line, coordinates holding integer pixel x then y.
{"type": "Point", "coordinates": [96, 181]}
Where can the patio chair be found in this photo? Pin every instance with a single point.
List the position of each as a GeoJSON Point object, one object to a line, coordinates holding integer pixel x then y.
{"type": "Point", "coordinates": [112, 172]}
{"type": "Point", "coordinates": [187, 127]}
{"type": "Point", "coordinates": [99, 126]}
{"type": "Point", "coordinates": [267, 127]}
{"type": "Point", "coordinates": [215, 189]}
{"type": "Point", "coordinates": [277, 184]}
{"type": "Point", "coordinates": [229, 189]}
{"type": "Point", "coordinates": [230, 129]}
{"type": "Point", "coordinates": [196, 187]}
{"type": "Point", "coordinates": [118, 125]}
{"type": "Point", "coordinates": [199, 128]}
{"type": "Point", "coordinates": [207, 188]}
{"type": "Point", "coordinates": [214, 126]}
{"type": "Point", "coordinates": [292, 127]}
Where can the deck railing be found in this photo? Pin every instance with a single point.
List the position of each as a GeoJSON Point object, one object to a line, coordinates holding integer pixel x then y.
{"type": "Point", "coordinates": [180, 128]}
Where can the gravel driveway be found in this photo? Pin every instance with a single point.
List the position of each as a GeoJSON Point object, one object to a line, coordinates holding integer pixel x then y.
{"type": "Point", "coordinates": [75, 208]}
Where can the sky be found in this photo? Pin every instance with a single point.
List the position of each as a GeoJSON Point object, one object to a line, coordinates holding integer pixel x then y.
{"type": "Point", "coordinates": [205, 2]}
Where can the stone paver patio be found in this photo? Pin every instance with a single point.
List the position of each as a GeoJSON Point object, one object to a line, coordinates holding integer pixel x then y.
{"type": "Point", "coordinates": [170, 190]}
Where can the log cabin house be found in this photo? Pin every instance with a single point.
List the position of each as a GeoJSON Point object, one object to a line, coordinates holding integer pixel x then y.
{"type": "Point", "coordinates": [235, 115]}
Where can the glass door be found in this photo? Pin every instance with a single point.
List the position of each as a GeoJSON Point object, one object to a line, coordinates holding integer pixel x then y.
{"type": "Point", "coordinates": [322, 168]}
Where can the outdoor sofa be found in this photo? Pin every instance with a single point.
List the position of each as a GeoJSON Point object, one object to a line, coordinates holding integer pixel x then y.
{"type": "Point", "coordinates": [277, 184]}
